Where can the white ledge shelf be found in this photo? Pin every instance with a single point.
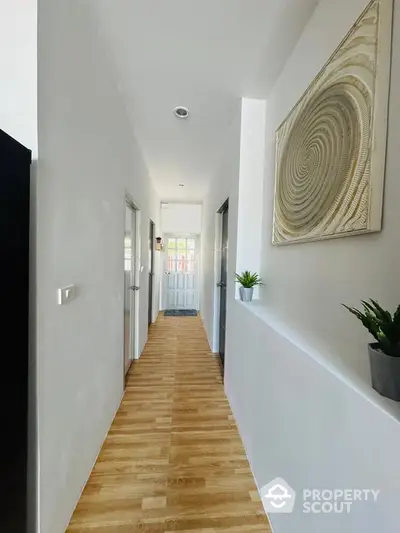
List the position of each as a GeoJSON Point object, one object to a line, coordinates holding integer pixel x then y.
{"type": "Point", "coordinates": [330, 362]}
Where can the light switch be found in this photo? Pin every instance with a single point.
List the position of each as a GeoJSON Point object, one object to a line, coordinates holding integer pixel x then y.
{"type": "Point", "coordinates": [66, 294]}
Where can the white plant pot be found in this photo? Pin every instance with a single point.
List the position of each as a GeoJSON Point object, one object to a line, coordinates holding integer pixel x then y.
{"type": "Point", "coordinates": [246, 295]}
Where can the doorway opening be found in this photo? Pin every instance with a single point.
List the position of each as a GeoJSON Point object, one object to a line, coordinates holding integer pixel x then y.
{"type": "Point", "coordinates": [131, 287]}
{"type": "Point", "coordinates": [181, 272]}
{"type": "Point", "coordinates": [151, 269]}
{"type": "Point", "coordinates": [222, 284]}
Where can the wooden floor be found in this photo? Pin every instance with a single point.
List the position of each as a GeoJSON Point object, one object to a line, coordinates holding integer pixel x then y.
{"type": "Point", "coordinates": [173, 460]}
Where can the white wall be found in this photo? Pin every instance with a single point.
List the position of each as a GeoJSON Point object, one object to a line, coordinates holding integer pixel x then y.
{"type": "Point", "coordinates": [181, 218]}
{"type": "Point", "coordinates": [251, 181]}
{"type": "Point", "coordinates": [18, 71]}
{"type": "Point", "coordinates": [89, 158]}
{"type": "Point", "coordinates": [302, 422]}
{"type": "Point", "coordinates": [224, 185]}
{"type": "Point", "coordinates": [296, 363]}
{"type": "Point", "coordinates": [307, 283]}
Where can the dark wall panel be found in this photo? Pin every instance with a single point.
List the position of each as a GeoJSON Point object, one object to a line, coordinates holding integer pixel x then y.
{"type": "Point", "coordinates": [15, 162]}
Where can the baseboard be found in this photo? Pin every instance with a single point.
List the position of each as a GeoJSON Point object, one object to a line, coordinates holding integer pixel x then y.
{"type": "Point", "coordinates": [247, 454]}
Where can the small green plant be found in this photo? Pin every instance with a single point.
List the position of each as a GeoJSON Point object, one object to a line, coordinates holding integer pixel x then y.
{"type": "Point", "coordinates": [248, 279]}
{"type": "Point", "coordinates": [381, 324]}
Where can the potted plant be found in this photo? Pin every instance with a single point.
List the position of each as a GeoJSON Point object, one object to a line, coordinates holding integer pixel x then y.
{"type": "Point", "coordinates": [384, 355]}
{"type": "Point", "coordinates": [248, 281]}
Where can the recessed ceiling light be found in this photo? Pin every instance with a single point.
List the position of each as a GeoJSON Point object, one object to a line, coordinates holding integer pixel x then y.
{"type": "Point", "coordinates": [181, 112]}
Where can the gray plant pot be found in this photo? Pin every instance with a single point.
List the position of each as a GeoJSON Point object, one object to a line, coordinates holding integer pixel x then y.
{"type": "Point", "coordinates": [246, 295]}
{"type": "Point", "coordinates": [385, 373]}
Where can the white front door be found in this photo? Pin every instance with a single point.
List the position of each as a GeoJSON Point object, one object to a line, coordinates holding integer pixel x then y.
{"type": "Point", "coordinates": [181, 273]}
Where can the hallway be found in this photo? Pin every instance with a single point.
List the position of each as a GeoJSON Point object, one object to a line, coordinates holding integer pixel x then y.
{"type": "Point", "coordinates": [173, 459]}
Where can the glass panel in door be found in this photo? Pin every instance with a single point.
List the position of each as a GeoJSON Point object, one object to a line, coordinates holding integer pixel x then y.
{"type": "Point", "coordinates": [129, 296]}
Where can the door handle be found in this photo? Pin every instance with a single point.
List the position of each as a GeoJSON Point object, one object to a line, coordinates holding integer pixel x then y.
{"type": "Point", "coordinates": [221, 284]}
{"type": "Point", "coordinates": [134, 288]}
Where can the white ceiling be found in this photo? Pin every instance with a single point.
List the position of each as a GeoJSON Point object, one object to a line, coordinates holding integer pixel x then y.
{"type": "Point", "coordinates": [202, 54]}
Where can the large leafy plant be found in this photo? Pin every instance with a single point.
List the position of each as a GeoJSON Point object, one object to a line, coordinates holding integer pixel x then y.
{"type": "Point", "coordinates": [381, 324]}
{"type": "Point", "coordinates": [248, 280]}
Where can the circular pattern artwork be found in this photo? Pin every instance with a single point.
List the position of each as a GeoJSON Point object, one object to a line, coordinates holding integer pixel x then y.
{"type": "Point", "coordinates": [323, 168]}
{"type": "Point", "coordinates": [325, 150]}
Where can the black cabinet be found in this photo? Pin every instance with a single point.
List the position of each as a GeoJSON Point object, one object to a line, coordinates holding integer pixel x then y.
{"type": "Point", "coordinates": [15, 162]}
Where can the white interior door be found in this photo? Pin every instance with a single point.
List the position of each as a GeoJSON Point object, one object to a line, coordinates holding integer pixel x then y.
{"type": "Point", "coordinates": [130, 287]}
{"type": "Point", "coordinates": [181, 273]}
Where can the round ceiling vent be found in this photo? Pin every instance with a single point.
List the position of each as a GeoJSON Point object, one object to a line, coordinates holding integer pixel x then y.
{"type": "Point", "coordinates": [181, 112]}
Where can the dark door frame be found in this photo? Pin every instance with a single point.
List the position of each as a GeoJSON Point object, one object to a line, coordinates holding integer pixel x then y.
{"type": "Point", "coordinates": [151, 269]}
{"type": "Point", "coordinates": [222, 284]}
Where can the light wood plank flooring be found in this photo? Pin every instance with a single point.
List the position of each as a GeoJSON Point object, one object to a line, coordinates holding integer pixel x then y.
{"type": "Point", "coordinates": [173, 460]}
